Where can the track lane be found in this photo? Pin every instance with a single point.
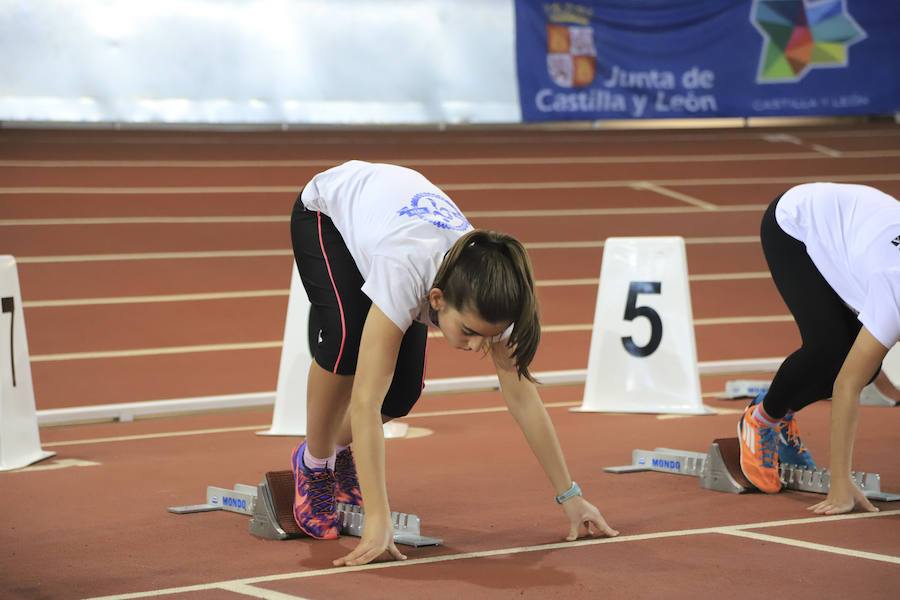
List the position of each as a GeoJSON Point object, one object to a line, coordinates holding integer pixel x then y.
{"type": "Point", "coordinates": [103, 327]}
{"type": "Point", "coordinates": [113, 380]}
{"type": "Point", "coordinates": [31, 206]}
{"type": "Point", "coordinates": [41, 240]}
{"type": "Point", "coordinates": [517, 517]}
{"type": "Point", "coordinates": [297, 176]}
{"type": "Point", "coordinates": [111, 279]}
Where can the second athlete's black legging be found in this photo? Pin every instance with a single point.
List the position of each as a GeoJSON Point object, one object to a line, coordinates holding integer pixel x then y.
{"type": "Point", "coordinates": [827, 326]}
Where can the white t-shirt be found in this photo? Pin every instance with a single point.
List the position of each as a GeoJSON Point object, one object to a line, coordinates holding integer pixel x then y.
{"type": "Point", "coordinates": [852, 235]}
{"type": "Point", "coordinates": [397, 226]}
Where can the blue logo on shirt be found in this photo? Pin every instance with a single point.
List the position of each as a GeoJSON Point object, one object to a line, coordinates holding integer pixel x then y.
{"type": "Point", "coordinates": [437, 210]}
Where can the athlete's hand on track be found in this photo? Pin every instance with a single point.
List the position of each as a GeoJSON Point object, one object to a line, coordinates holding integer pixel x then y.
{"type": "Point", "coordinates": [584, 516]}
{"type": "Point", "coordinates": [842, 498]}
{"type": "Point", "coordinates": [377, 541]}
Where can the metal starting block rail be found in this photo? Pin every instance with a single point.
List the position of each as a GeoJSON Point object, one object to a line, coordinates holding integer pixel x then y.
{"type": "Point", "coordinates": [720, 470]}
{"type": "Point", "coordinates": [750, 388]}
{"type": "Point", "coordinates": [270, 506]}
{"type": "Point", "coordinates": [241, 499]}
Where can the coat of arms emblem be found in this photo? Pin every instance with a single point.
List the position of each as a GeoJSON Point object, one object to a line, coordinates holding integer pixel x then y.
{"type": "Point", "coordinates": [571, 52]}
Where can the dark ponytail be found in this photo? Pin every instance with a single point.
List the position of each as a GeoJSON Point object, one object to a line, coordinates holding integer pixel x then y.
{"type": "Point", "coordinates": [490, 273]}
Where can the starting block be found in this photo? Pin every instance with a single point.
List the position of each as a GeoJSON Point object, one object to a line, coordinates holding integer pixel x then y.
{"type": "Point", "coordinates": [746, 388]}
{"type": "Point", "coordinates": [720, 470]}
{"type": "Point", "coordinates": [872, 396]}
{"type": "Point", "coordinates": [270, 506]}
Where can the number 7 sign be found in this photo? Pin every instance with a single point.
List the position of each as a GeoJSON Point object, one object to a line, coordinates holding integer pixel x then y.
{"type": "Point", "coordinates": [9, 306]}
{"type": "Point", "coordinates": [20, 443]}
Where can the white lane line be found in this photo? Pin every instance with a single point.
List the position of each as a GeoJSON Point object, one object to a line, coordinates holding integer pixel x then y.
{"type": "Point", "coordinates": [69, 258]}
{"type": "Point", "coordinates": [416, 415]}
{"type": "Point", "coordinates": [286, 292]}
{"type": "Point", "coordinates": [491, 553]}
{"type": "Point", "coordinates": [479, 411]}
{"type": "Point", "coordinates": [443, 162]}
{"type": "Point", "coordinates": [729, 276]}
{"type": "Point", "coordinates": [181, 190]}
{"type": "Point", "coordinates": [145, 220]}
{"type": "Point", "coordinates": [256, 592]}
{"type": "Point", "coordinates": [698, 277]}
{"type": "Point", "coordinates": [715, 409]}
{"type": "Point", "coordinates": [808, 520]}
{"type": "Point", "coordinates": [700, 208]}
{"type": "Point", "coordinates": [812, 546]}
{"type": "Point", "coordinates": [585, 134]}
{"type": "Point", "coordinates": [154, 436]}
{"type": "Point", "coordinates": [565, 328]}
{"type": "Point", "coordinates": [782, 138]}
{"type": "Point", "coordinates": [829, 151]}
{"type": "Point", "coordinates": [191, 432]}
{"type": "Point", "coordinates": [854, 133]}
{"type": "Point", "coordinates": [63, 463]}
{"type": "Point", "coordinates": [154, 299]}
{"type": "Point", "coordinates": [566, 282]}
{"type": "Point", "coordinates": [573, 327]}
{"type": "Point", "coordinates": [665, 182]}
{"type": "Point", "coordinates": [559, 245]}
{"type": "Point", "coordinates": [646, 185]}
{"type": "Point", "coordinates": [745, 320]}
{"type": "Point", "coordinates": [154, 351]}
{"type": "Point", "coordinates": [735, 239]}
{"type": "Point", "coordinates": [451, 187]}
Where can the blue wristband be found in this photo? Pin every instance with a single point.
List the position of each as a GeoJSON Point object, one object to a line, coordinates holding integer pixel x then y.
{"type": "Point", "coordinates": [569, 493]}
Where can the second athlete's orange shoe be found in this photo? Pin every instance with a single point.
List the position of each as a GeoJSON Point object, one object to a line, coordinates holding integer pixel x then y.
{"type": "Point", "coordinates": [759, 452]}
{"type": "Point", "coordinates": [791, 450]}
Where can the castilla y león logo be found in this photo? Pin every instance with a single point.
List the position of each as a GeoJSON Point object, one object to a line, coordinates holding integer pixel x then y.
{"type": "Point", "coordinates": [571, 54]}
{"type": "Point", "coordinates": [800, 35]}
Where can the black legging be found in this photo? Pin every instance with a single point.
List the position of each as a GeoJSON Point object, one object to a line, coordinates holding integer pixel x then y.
{"type": "Point", "coordinates": [827, 326]}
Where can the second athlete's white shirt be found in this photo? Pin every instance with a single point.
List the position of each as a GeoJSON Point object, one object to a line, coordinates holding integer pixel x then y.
{"type": "Point", "coordinates": [397, 226]}
{"type": "Point", "coordinates": [852, 235]}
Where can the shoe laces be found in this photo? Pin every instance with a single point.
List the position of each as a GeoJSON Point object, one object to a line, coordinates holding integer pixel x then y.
{"type": "Point", "coordinates": [768, 446]}
{"type": "Point", "coordinates": [321, 491]}
{"type": "Point", "coordinates": [790, 432]}
{"type": "Point", "coordinates": [345, 470]}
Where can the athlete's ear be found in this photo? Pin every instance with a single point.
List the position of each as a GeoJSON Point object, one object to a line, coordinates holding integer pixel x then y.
{"type": "Point", "coordinates": [436, 299]}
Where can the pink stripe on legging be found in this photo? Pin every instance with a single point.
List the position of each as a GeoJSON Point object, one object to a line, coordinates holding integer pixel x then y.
{"type": "Point", "coordinates": [425, 360]}
{"type": "Point", "coordinates": [336, 295]}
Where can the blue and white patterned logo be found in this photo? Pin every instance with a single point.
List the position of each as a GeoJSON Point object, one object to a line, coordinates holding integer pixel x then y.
{"type": "Point", "coordinates": [437, 210]}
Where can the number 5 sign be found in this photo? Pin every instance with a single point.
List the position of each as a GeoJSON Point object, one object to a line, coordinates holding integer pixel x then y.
{"type": "Point", "coordinates": [20, 444]}
{"type": "Point", "coordinates": [643, 356]}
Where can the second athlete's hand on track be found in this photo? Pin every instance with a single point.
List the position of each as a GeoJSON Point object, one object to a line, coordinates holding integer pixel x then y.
{"type": "Point", "coordinates": [842, 498]}
{"type": "Point", "coordinates": [584, 516]}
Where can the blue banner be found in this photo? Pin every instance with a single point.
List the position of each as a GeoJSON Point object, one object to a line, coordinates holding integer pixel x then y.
{"type": "Point", "coordinates": [621, 59]}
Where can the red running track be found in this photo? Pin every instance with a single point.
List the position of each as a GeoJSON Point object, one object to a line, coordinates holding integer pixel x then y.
{"type": "Point", "coordinates": [107, 227]}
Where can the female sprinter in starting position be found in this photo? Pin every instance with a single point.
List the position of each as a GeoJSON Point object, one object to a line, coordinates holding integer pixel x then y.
{"type": "Point", "coordinates": [382, 252]}
{"type": "Point", "coordinates": [834, 254]}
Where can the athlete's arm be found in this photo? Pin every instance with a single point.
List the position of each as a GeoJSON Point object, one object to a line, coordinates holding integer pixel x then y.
{"type": "Point", "coordinates": [378, 351]}
{"type": "Point", "coordinates": [525, 405]}
{"type": "Point", "coordinates": [861, 363]}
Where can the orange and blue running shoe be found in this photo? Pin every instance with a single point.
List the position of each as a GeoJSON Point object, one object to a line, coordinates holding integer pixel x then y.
{"type": "Point", "coordinates": [791, 450]}
{"type": "Point", "coordinates": [314, 505]}
{"type": "Point", "coordinates": [347, 489]}
{"type": "Point", "coordinates": [759, 453]}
